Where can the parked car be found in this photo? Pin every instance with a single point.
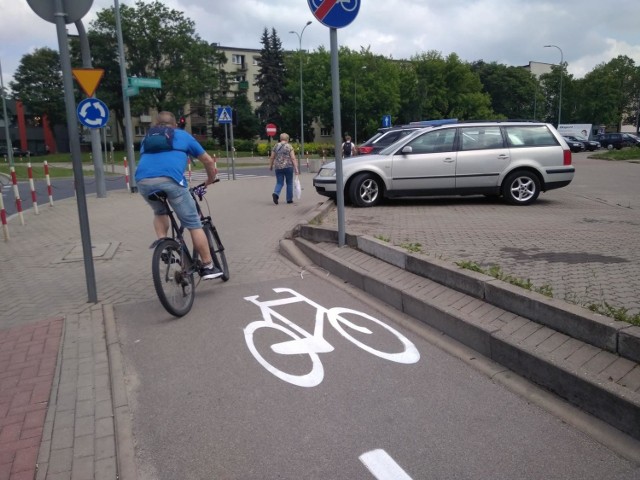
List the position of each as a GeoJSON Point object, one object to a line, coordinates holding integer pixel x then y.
{"type": "Point", "coordinates": [17, 152]}
{"type": "Point", "coordinates": [385, 137]}
{"type": "Point", "coordinates": [614, 140]}
{"type": "Point", "coordinates": [634, 139]}
{"type": "Point", "coordinates": [575, 145]}
{"type": "Point", "coordinates": [516, 160]}
{"type": "Point", "coordinates": [591, 145]}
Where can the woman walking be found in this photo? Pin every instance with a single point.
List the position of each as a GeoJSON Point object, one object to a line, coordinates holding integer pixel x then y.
{"type": "Point", "coordinates": [284, 159]}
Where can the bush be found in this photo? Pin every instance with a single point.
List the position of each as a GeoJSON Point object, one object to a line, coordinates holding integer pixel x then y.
{"type": "Point", "coordinates": [244, 145]}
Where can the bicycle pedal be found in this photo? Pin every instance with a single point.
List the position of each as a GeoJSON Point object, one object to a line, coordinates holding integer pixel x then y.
{"type": "Point", "coordinates": [169, 259]}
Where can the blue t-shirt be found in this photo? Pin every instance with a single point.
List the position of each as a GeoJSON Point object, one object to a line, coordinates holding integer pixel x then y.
{"type": "Point", "coordinates": [172, 163]}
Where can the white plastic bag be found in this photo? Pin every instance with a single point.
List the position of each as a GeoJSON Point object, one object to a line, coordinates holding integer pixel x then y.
{"type": "Point", "coordinates": [297, 188]}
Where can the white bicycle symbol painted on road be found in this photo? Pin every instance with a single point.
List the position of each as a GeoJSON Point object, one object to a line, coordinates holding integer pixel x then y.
{"type": "Point", "coordinates": [306, 343]}
{"type": "Point", "coordinates": [347, 5]}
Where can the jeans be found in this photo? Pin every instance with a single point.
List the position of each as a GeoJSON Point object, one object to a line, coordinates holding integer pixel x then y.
{"type": "Point", "coordinates": [179, 198]}
{"type": "Point", "coordinates": [281, 175]}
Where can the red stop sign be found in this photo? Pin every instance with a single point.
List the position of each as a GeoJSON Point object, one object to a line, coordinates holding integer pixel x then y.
{"type": "Point", "coordinates": [271, 129]}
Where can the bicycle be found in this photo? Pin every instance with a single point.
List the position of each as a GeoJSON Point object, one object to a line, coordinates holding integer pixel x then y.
{"type": "Point", "coordinates": [306, 343]}
{"type": "Point", "coordinates": [174, 266]}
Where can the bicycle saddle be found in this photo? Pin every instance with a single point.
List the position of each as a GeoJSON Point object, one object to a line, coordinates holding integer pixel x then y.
{"type": "Point", "coordinates": [158, 195]}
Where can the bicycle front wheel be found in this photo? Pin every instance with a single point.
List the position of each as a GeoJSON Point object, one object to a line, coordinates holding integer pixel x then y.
{"type": "Point", "coordinates": [373, 335]}
{"type": "Point", "coordinates": [172, 278]}
{"type": "Point", "coordinates": [217, 251]}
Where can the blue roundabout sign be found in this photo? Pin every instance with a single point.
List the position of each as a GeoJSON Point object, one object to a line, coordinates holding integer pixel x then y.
{"type": "Point", "coordinates": [93, 113]}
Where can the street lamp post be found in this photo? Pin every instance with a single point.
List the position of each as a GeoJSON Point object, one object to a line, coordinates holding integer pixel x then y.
{"type": "Point", "coordinates": [299, 35]}
{"type": "Point", "coordinates": [355, 108]}
{"type": "Point", "coordinates": [561, 69]}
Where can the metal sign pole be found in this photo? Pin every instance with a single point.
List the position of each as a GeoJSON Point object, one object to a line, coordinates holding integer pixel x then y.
{"type": "Point", "coordinates": [96, 150]}
{"type": "Point", "coordinates": [74, 144]}
{"type": "Point", "coordinates": [233, 160]}
{"type": "Point", "coordinates": [226, 146]}
{"type": "Point", "coordinates": [125, 101]}
{"type": "Point", "coordinates": [6, 122]}
{"type": "Point", "coordinates": [337, 128]}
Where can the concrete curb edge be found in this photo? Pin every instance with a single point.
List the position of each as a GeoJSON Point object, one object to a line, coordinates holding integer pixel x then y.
{"type": "Point", "coordinates": [125, 452]}
{"type": "Point", "coordinates": [575, 386]}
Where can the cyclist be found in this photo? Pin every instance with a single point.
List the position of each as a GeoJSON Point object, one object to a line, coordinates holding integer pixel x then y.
{"type": "Point", "coordinates": [163, 160]}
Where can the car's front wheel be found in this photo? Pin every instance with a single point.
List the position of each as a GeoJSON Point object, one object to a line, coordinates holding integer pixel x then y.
{"type": "Point", "coordinates": [365, 190]}
{"type": "Point", "coordinates": [521, 188]}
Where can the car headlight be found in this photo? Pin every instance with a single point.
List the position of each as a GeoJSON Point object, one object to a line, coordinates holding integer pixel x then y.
{"type": "Point", "coordinates": [327, 172]}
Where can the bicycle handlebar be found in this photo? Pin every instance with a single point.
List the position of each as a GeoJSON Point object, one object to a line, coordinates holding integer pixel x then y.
{"type": "Point", "coordinates": [201, 189]}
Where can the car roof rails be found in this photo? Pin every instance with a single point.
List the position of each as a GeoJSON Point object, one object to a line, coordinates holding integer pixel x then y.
{"type": "Point", "coordinates": [434, 123]}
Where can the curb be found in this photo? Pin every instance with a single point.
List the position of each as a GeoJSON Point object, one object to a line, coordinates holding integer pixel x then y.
{"type": "Point", "coordinates": [607, 401]}
{"type": "Point", "coordinates": [121, 413]}
{"type": "Point", "coordinates": [603, 332]}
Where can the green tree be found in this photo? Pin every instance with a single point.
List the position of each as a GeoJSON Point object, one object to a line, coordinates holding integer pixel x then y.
{"type": "Point", "coordinates": [369, 84]}
{"type": "Point", "coordinates": [317, 88]}
{"type": "Point", "coordinates": [247, 124]}
{"type": "Point", "coordinates": [38, 84]}
{"type": "Point", "coordinates": [159, 43]}
{"type": "Point", "coordinates": [512, 89]}
{"type": "Point", "coordinates": [449, 88]}
{"type": "Point", "coordinates": [270, 80]}
{"type": "Point", "coordinates": [609, 93]}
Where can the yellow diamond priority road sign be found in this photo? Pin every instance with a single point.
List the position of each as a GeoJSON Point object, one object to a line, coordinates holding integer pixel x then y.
{"type": "Point", "coordinates": [88, 78]}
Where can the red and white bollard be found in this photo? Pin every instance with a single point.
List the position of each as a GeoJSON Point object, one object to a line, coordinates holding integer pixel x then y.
{"type": "Point", "coordinates": [34, 198]}
{"type": "Point", "coordinates": [16, 194]}
{"type": "Point", "coordinates": [126, 173]}
{"type": "Point", "coordinates": [48, 179]}
{"type": "Point", "coordinates": [3, 217]}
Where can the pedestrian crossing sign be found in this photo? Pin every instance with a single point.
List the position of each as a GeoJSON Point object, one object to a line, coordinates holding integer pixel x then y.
{"type": "Point", "coordinates": [224, 115]}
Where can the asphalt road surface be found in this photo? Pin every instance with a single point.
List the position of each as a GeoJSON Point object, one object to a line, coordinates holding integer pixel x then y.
{"type": "Point", "coordinates": [205, 407]}
{"type": "Point", "coordinates": [64, 187]}
{"type": "Point", "coordinates": [227, 393]}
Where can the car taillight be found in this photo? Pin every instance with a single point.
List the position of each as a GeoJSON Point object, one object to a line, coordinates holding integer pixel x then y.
{"type": "Point", "coordinates": [567, 157]}
{"type": "Point", "coordinates": [365, 150]}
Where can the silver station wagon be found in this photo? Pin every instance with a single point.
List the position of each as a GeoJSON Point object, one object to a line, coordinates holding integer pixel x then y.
{"type": "Point", "coordinates": [516, 160]}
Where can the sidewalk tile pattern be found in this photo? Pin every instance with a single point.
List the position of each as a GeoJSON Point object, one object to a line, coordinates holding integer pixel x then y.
{"type": "Point", "coordinates": [28, 357]}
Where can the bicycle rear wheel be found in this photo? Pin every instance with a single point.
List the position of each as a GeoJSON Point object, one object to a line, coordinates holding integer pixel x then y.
{"type": "Point", "coordinates": [217, 250]}
{"type": "Point", "coordinates": [172, 278]}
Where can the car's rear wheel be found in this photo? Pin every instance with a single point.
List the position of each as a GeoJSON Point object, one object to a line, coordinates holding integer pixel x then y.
{"type": "Point", "coordinates": [521, 188]}
{"type": "Point", "coordinates": [610, 146]}
{"type": "Point", "coordinates": [365, 190]}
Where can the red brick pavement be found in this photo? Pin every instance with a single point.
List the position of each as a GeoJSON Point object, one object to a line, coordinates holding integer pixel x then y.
{"type": "Point", "coordinates": [28, 357]}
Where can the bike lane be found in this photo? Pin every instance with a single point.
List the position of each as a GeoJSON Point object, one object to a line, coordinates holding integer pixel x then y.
{"type": "Point", "coordinates": [204, 406]}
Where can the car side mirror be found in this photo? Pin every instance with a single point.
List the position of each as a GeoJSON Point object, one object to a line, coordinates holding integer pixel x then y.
{"type": "Point", "coordinates": [407, 149]}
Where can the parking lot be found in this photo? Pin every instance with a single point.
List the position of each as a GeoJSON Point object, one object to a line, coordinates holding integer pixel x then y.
{"type": "Point", "coordinates": [582, 241]}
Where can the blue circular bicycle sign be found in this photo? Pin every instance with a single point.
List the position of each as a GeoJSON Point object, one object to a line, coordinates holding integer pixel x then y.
{"type": "Point", "coordinates": [334, 13]}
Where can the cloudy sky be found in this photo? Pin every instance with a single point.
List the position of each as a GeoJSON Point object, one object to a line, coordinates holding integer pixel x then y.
{"type": "Point", "coordinates": [511, 32]}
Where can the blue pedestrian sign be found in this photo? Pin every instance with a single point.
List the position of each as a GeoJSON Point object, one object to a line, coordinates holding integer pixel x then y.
{"type": "Point", "coordinates": [334, 13]}
{"type": "Point", "coordinates": [386, 121]}
{"type": "Point", "coordinates": [93, 113]}
{"type": "Point", "coordinates": [224, 115]}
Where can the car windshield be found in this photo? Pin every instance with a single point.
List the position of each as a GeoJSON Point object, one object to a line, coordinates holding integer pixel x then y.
{"type": "Point", "coordinates": [580, 137]}
{"type": "Point", "coordinates": [391, 148]}
{"type": "Point", "coordinates": [372, 139]}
